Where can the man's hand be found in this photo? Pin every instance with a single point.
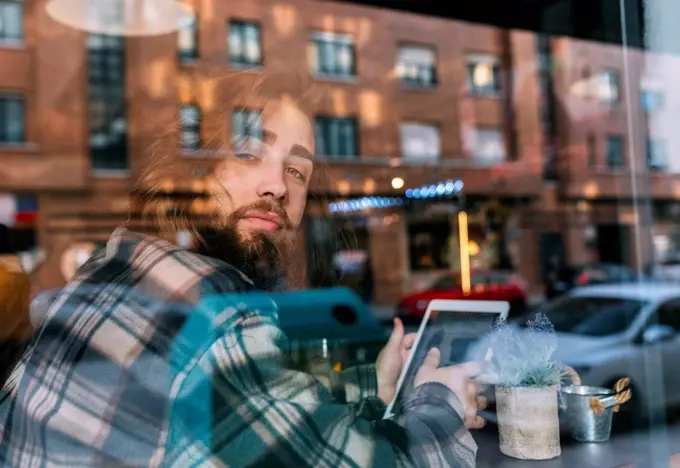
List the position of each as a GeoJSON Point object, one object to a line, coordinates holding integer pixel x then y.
{"type": "Point", "coordinates": [391, 360]}
{"type": "Point", "coordinates": [458, 379]}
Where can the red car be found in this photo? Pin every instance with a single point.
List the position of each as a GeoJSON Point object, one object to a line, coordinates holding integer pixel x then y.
{"type": "Point", "coordinates": [484, 286]}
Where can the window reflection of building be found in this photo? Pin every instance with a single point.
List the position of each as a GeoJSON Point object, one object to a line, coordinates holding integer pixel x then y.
{"type": "Point", "coordinates": [12, 118]}
{"type": "Point", "coordinates": [245, 47]}
{"type": "Point", "coordinates": [417, 66]}
{"type": "Point", "coordinates": [332, 54]}
{"type": "Point", "coordinates": [11, 22]}
{"type": "Point", "coordinates": [420, 141]}
{"type": "Point", "coordinates": [107, 108]}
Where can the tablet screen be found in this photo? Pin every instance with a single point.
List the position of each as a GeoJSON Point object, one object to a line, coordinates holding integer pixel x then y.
{"type": "Point", "coordinates": [452, 333]}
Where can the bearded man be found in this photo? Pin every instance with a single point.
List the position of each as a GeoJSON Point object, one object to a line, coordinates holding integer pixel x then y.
{"type": "Point", "coordinates": [155, 355]}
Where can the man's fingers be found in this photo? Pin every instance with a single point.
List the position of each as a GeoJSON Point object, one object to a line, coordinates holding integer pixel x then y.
{"type": "Point", "coordinates": [481, 403]}
{"type": "Point", "coordinates": [397, 334]}
{"type": "Point", "coordinates": [475, 422]}
{"type": "Point", "coordinates": [408, 340]}
{"type": "Point", "coordinates": [471, 369]}
{"type": "Point", "coordinates": [432, 359]}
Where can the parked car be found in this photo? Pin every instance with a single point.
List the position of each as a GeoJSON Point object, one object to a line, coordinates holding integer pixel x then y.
{"type": "Point", "coordinates": [484, 286]}
{"type": "Point", "coordinates": [569, 277]}
{"type": "Point", "coordinates": [606, 332]}
{"type": "Point", "coordinates": [667, 269]}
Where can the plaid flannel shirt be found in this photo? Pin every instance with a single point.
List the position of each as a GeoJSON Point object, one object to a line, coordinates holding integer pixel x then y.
{"type": "Point", "coordinates": [156, 356]}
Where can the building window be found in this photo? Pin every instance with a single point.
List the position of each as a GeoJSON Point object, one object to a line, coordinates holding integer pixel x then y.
{"type": "Point", "coordinates": [652, 100]}
{"type": "Point", "coordinates": [190, 122]}
{"type": "Point", "coordinates": [483, 75]}
{"type": "Point", "coordinates": [245, 47]}
{"type": "Point", "coordinates": [420, 141]}
{"type": "Point", "coordinates": [107, 106]}
{"type": "Point", "coordinates": [246, 124]}
{"type": "Point", "coordinates": [12, 119]}
{"type": "Point", "coordinates": [332, 54]}
{"type": "Point", "coordinates": [486, 145]}
{"type": "Point", "coordinates": [657, 156]}
{"type": "Point", "coordinates": [417, 66]}
{"type": "Point", "coordinates": [607, 87]}
{"type": "Point", "coordinates": [615, 155]}
{"type": "Point", "coordinates": [336, 137]}
{"type": "Point", "coordinates": [187, 39]}
{"type": "Point", "coordinates": [591, 149]}
{"type": "Point", "coordinates": [11, 22]}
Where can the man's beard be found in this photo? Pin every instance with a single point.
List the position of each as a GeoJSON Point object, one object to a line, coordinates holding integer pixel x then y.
{"type": "Point", "coordinates": [259, 256]}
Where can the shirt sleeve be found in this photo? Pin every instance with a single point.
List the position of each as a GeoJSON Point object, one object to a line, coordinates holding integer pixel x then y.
{"type": "Point", "coordinates": [266, 415]}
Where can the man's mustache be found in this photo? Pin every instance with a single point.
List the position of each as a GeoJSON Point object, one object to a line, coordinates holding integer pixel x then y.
{"type": "Point", "coordinates": [264, 206]}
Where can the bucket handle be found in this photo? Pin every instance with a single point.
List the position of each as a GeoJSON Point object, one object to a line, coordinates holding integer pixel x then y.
{"type": "Point", "coordinates": [575, 380]}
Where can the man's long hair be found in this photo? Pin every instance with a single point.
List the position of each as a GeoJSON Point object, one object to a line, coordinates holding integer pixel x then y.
{"type": "Point", "coordinates": [177, 191]}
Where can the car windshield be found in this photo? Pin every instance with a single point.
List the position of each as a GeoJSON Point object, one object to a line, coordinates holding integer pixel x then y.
{"type": "Point", "coordinates": [593, 316]}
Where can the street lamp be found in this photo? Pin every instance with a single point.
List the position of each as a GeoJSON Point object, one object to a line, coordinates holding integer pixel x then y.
{"type": "Point", "coordinates": [122, 17]}
{"type": "Point", "coordinates": [397, 183]}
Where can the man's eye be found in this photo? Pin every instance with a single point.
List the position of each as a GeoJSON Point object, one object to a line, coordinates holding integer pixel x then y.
{"type": "Point", "coordinates": [297, 174]}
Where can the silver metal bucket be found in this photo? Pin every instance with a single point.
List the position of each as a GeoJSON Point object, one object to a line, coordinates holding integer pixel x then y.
{"type": "Point", "coordinates": [584, 424]}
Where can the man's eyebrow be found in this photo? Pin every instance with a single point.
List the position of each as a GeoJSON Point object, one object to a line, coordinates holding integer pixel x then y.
{"type": "Point", "coordinates": [268, 137]}
{"type": "Point", "coordinates": [299, 150]}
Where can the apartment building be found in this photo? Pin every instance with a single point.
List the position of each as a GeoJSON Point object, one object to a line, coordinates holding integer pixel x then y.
{"type": "Point", "coordinates": [425, 117]}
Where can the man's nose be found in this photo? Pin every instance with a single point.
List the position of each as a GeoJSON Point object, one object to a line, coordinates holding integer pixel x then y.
{"type": "Point", "coordinates": [273, 184]}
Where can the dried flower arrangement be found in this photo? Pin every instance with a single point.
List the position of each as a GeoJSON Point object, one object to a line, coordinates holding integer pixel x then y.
{"type": "Point", "coordinates": [523, 357]}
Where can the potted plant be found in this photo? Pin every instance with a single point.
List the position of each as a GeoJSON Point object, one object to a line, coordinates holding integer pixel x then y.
{"type": "Point", "coordinates": [527, 381]}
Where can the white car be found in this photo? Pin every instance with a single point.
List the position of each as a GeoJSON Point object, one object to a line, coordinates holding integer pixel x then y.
{"type": "Point", "coordinates": [631, 330]}
{"type": "Point", "coordinates": [610, 331]}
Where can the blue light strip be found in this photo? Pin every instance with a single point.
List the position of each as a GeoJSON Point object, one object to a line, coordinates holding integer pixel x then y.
{"type": "Point", "coordinates": [448, 188]}
{"type": "Point", "coordinates": [365, 203]}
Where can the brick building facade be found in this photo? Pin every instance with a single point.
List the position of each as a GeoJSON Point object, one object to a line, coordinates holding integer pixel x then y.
{"type": "Point", "coordinates": [477, 88]}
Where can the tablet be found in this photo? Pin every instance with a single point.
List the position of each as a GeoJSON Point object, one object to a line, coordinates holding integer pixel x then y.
{"type": "Point", "coordinates": [452, 326]}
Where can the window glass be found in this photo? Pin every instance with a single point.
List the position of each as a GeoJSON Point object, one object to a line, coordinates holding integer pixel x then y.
{"type": "Point", "coordinates": [245, 45]}
{"type": "Point", "coordinates": [615, 154]}
{"type": "Point", "coordinates": [11, 22]}
{"type": "Point", "coordinates": [483, 74]}
{"type": "Point", "coordinates": [332, 54]}
{"type": "Point", "coordinates": [187, 39]}
{"type": "Point", "coordinates": [420, 141]}
{"type": "Point", "coordinates": [12, 118]}
{"type": "Point", "coordinates": [336, 137]}
{"type": "Point", "coordinates": [417, 66]}
{"type": "Point", "coordinates": [486, 145]}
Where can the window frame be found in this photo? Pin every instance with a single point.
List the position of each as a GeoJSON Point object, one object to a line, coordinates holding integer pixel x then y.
{"type": "Point", "coordinates": [322, 139]}
{"type": "Point", "coordinates": [501, 130]}
{"type": "Point", "coordinates": [189, 56]}
{"type": "Point", "coordinates": [241, 25]}
{"type": "Point", "coordinates": [434, 69]}
{"type": "Point", "coordinates": [5, 39]}
{"type": "Point", "coordinates": [20, 99]}
{"type": "Point", "coordinates": [609, 72]}
{"type": "Point", "coordinates": [335, 40]}
{"type": "Point", "coordinates": [107, 87]}
{"type": "Point", "coordinates": [476, 58]}
{"type": "Point", "coordinates": [252, 113]}
{"type": "Point", "coordinates": [422, 123]}
{"type": "Point", "coordinates": [610, 137]}
{"type": "Point", "coordinates": [194, 127]}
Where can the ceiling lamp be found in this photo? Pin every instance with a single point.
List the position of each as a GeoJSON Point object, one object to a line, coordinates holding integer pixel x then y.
{"type": "Point", "coordinates": [122, 17]}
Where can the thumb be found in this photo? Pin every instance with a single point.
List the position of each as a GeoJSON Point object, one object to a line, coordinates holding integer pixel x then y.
{"type": "Point", "coordinates": [397, 334]}
{"type": "Point", "coordinates": [432, 359]}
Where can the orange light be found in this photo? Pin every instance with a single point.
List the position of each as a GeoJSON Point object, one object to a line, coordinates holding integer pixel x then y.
{"type": "Point", "coordinates": [464, 252]}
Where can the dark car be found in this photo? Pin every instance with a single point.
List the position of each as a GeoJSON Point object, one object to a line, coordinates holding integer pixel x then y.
{"type": "Point", "coordinates": [568, 277]}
